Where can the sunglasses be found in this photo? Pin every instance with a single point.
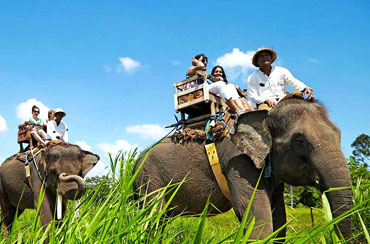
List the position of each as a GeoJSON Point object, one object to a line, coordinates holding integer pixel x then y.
{"type": "Point", "coordinates": [37, 112]}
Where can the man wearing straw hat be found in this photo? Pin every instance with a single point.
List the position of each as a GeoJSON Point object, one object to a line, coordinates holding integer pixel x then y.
{"type": "Point", "coordinates": [268, 84]}
{"type": "Point", "coordinates": [56, 129]}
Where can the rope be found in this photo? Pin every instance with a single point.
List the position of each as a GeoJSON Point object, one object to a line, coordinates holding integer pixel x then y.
{"type": "Point", "coordinates": [268, 170]}
{"type": "Point", "coordinates": [217, 117]}
{"type": "Point", "coordinates": [37, 168]}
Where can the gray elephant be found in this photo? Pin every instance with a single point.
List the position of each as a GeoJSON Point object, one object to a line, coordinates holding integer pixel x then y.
{"type": "Point", "coordinates": [296, 137]}
{"type": "Point", "coordinates": [61, 166]}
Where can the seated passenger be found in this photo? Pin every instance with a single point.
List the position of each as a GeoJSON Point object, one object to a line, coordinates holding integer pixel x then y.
{"type": "Point", "coordinates": [57, 130]}
{"type": "Point", "coordinates": [199, 63]}
{"type": "Point", "coordinates": [51, 115]}
{"type": "Point", "coordinates": [227, 91]}
{"type": "Point", "coordinates": [36, 125]}
{"type": "Point", "coordinates": [268, 84]}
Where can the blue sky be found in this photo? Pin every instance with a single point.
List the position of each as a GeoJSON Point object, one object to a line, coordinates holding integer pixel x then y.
{"type": "Point", "coordinates": [111, 65]}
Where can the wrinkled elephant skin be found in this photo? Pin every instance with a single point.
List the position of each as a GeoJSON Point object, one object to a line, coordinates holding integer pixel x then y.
{"type": "Point", "coordinates": [298, 137]}
{"type": "Point", "coordinates": [62, 166]}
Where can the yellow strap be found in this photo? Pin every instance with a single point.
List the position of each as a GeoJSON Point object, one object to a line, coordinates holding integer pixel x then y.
{"type": "Point", "coordinates": [28, 174]}
{"type": "Point", "coordinates": [216, 168]}
{"type": "Point", "coordinates": [36, 153]}
{"type": "Point", "coordinates": [27, 168]}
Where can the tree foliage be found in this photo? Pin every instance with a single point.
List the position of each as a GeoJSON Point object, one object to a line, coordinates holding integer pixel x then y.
{"type": "Point", "coordinates": [358, 163]}
{"type": "Point", "coordinates": [361, 152]}
{"type": "Point", "coordinates": [303, 196]}
{"type": "Point", "coordinates": [99, 185]}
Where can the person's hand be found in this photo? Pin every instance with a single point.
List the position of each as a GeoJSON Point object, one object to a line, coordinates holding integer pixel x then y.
{"type": "Point", "coordinates": [219, 78]}
{"type": "Point", "coordinates": [198, 63]}
{"type": "Point", "coordinates": [270, 103]}
{"type": "Point", "coordinates": [309, 93]}
{"type": "Point", "coordinates": [194, 62]}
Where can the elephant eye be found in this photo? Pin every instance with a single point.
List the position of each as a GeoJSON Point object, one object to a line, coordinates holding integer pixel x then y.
{"type": "Point", "coordinates": [299, 140]}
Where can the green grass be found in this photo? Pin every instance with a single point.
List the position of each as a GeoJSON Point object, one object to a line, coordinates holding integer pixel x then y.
{"type": "Point", "coordinates": [111, 215]}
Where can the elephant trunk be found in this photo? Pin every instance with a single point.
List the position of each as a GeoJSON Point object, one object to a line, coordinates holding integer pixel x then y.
{"type": "Point", "coordinates": [72, 193]}
{"type": "Point", "coordinates": [335, 174]}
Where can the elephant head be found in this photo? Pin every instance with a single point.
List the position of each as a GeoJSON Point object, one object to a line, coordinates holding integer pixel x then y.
{"type": "Point", "coordinates": [304, 146]}
{"type": "Point", "coordinates": [65, 165]}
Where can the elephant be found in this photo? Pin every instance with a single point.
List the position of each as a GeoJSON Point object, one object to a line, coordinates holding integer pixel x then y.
{"type": "Point", "coordinates": [60, 166]}
{"type": "Point", "coordinates": [297, 140]}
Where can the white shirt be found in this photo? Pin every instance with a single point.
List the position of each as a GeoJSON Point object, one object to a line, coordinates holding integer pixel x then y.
{"type": "Point", "coordinates": [54, 130]}
{"type": "Point", "coordinates": [262, 87]}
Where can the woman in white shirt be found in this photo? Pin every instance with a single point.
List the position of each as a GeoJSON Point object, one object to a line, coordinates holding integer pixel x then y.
{"type": "Point", "coordinates": [227, 91]}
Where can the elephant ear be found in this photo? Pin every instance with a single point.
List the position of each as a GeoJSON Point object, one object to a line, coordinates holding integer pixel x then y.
{"type": "Point", "coordinates": [89, 160]}
{"type": "Point", "coordinates": [251, 136]}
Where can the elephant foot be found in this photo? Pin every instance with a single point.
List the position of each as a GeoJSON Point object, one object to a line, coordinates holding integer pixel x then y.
{"type": "Point", "coordinates": [5, 232]}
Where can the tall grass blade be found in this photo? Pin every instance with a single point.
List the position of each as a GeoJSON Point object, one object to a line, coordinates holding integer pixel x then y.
{"type": "Point", "coordinates": [366, 232]}
{"type": "Point", "coordinates": [243, 223]}
{"type": "Point", "coordinates": [198, 236]}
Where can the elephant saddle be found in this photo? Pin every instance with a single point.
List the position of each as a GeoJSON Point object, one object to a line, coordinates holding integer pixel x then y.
{"type": "Point", "coordinates": [22, 156]}
{"type": "Point", "coordinates": [218, 131]}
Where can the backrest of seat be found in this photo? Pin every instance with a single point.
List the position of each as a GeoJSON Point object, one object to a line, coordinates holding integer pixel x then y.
{"type": "Point", "coordinates": [23, 137]}
{"type": "Point", "coordinates": [192, 92]}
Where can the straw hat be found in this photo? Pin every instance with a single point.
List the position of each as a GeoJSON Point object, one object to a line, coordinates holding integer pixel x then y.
{"type": "Point", "coordinates": [59, 110]}
{"type": "Point", "coordinates": [263, 49]}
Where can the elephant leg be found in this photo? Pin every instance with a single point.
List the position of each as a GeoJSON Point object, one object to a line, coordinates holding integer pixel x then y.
{"type": "Point", "coordinates": [7, 211]}
{"type": "Point", "coordinates": [278, 211]}
{"type": "Point", "coordinates": [242, 178]}
{"type": "Point", "coordinates": [46, 213]}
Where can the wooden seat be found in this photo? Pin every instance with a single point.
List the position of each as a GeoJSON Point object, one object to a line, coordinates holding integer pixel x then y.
{"type": "Point", "coordinates": [192, 97]}
{"type": "Point", "coordinates": [24, 136]}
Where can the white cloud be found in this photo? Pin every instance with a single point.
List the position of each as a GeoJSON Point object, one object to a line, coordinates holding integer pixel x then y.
{"type": "Point", "coordinates": [99, 169]}
{"type": "Point", "coordinates": [313, 60]}
{"type": "Point", "coordinates": [106, 68]}
{"type": "Point", "coordinates": [175, 62]}
{"type": "Point", "coordinates": [149, 131]}
{"type": "Point", "coordinates": [120, 145]}
{"type": "Point", "coordinates": [236, 63]}
{"type": "Point", "coordinates": [3, 126]}
{"type": "Point", "coordinates": [24, 110]}
{"type": "Point", "coordinates": [129, 65]}
{"type": "Point", "coordinates": [83, 145]}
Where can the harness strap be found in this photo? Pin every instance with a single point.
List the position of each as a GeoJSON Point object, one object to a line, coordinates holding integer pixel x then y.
{"type": "Point", "coordinates": [28, 172]}
{"type": "Point", "coordinates": [27, 167]}
{"type": "Point", "coordinates": [268, 170]}
{"type": "Point", "coordinates": [212, 121]}
{"type": "Point", "coordinates": [216, 168]}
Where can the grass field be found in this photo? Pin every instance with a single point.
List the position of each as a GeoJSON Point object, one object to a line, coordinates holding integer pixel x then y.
{"type": "Point", "coordinates": [216, 228]}
{"type": "Point", "coordinates": [113, 216]}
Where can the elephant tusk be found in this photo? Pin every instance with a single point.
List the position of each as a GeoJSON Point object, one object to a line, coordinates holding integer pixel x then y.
{"type": "Point", "coordinates": [317, 182]}
{"type": "Point", "coordinates": [59, 207]}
